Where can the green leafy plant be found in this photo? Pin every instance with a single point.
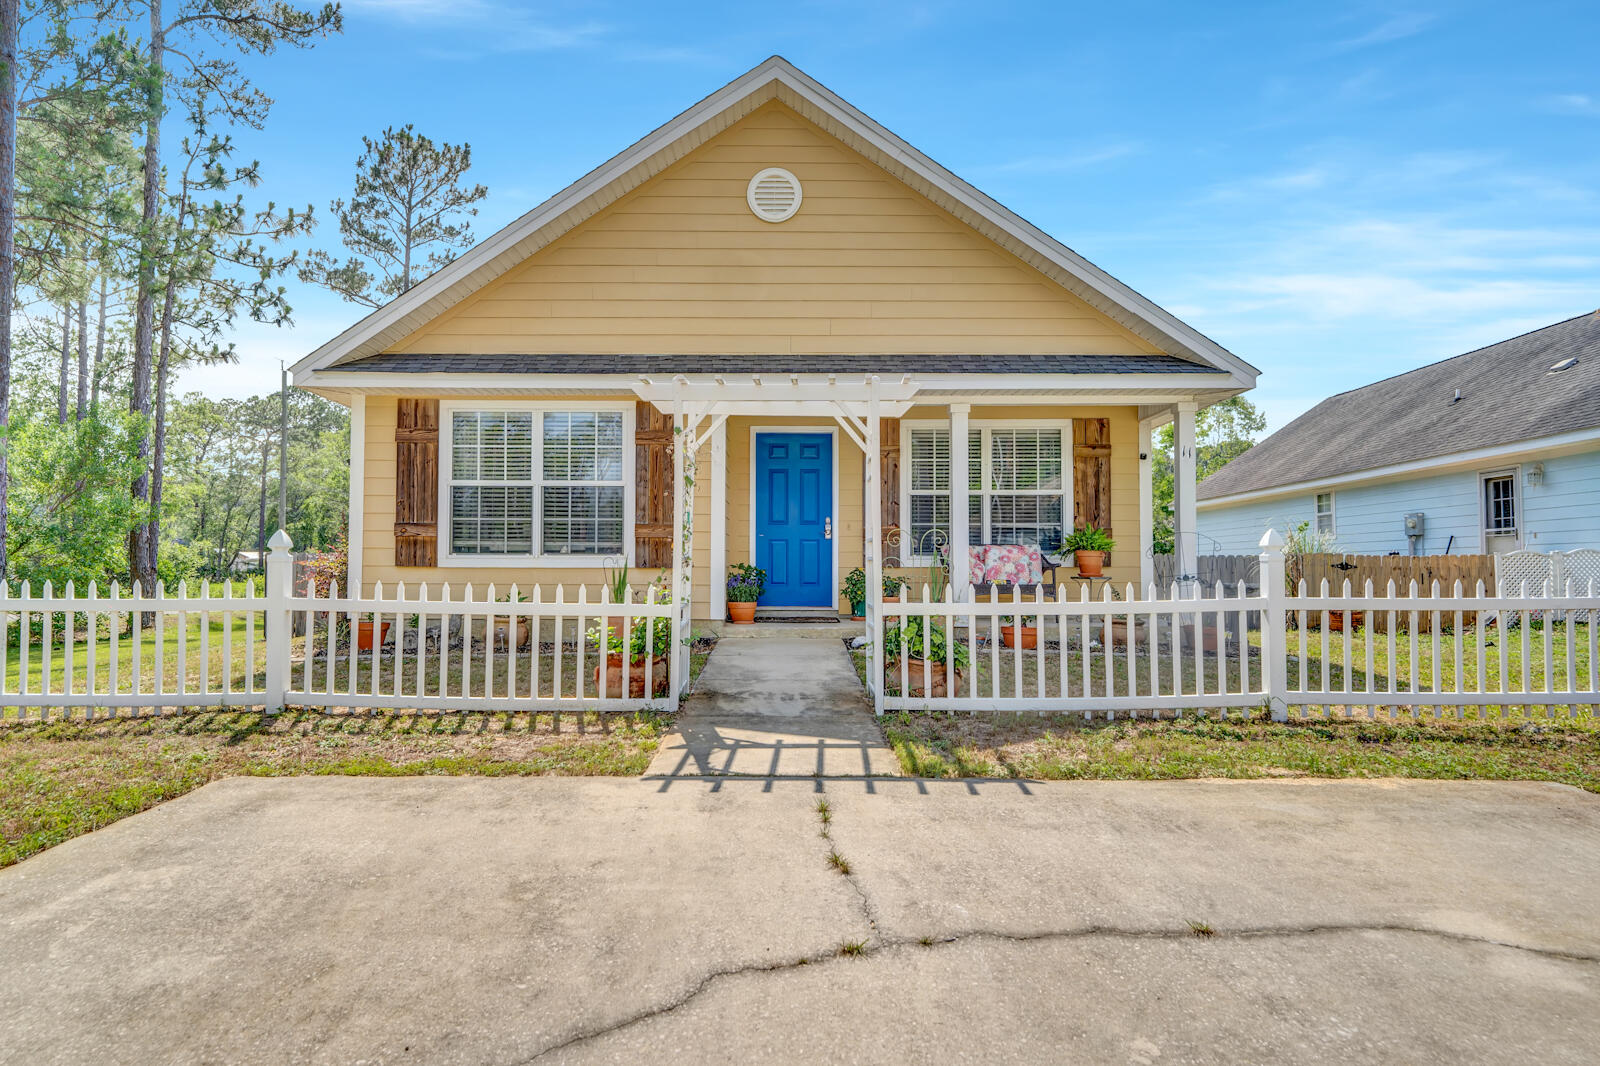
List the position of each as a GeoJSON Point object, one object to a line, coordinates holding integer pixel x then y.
{"type": "Point", "coordinates": [892, 586]}
{"type": "Point", "coordinates": [746, 583]}
{"type": "Point", "coordinates": [648, 634]}
{"type": "Point", "coordinates": [617, 582]}
{"type": "Point", "coordinates": [855, 586]}
{"type": "Point", "coordinates": [1088, 539]}
{"type": "Point", "coordinates": [918, 638]}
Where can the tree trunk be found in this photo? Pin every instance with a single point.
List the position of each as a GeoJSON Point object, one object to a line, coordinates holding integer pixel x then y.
{"type": "Point", "coordinates": [66, 362]}
{"type": "Point", "coordinates": [10, 15]}
{"type": "Point", "coordinates": [145, 303]}
{"type": "Point", "coordinates": [158, 460]}
{"type": "Point", "coordinates": [83, 359]}
{"type": "Point", "coordinates": [99, 349]}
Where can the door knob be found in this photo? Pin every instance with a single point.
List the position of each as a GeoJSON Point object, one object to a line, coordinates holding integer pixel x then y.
{"type": "Point", "coordinates": [827, 528]}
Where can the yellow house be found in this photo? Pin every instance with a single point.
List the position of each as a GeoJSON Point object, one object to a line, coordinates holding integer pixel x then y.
{"type": "Point", "coordinates": [775, 310]}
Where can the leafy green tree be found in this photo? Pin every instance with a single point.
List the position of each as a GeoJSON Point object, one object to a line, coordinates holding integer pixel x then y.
{"type": "Point", "coordinates": [1222, 432]}
{"type": "Point", "coordinates": [71, 510]}
{"type": "Point", "coordinates": [175, 32]}
{"type": "Point", "coordinates": [409, 209]}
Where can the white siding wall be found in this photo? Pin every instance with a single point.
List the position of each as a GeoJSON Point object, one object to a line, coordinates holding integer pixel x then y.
{"type": "Point", "coordinates": [1561, 514]}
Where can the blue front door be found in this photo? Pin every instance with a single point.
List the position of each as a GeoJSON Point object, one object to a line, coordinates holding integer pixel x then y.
{"type": "Point", "coordinates": [794, 518]}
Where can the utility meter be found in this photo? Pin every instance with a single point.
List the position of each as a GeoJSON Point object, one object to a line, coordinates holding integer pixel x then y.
{"type": "Point", "coordinates": [1414, 524]}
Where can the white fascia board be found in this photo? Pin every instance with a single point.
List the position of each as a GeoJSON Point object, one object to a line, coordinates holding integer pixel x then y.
{"type": "Point", "coordinates": [758, 85]}
{"type": "Point", "coordinates": [717, 386]}
{"type": "Point", "coordinates": [1561, 444]}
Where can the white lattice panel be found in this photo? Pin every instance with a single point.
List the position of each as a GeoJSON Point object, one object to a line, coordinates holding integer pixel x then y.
{"type": "Point", "coordinates": [1512, 569]}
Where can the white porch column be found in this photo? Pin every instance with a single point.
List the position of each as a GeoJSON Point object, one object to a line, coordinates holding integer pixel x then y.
{"type": "Point", "coordinates": [719, 521]}
{"type": "Point", "coordinates": [1147, 505]}
{"type": "Point", "coordinates": [960, 521]}
{"type": "Point", "coordinates": [1186, 542]}
{"type": "Point", "coordinates": [356, 536]}
{"type": "Point", "coordinates": [682, 547]}
{"type": "Point", "coordinates": [873, 549]}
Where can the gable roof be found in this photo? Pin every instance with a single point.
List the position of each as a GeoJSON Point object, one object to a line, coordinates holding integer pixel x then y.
{"type": "Point", "coordinates": [775, 79]}
{"type": "Point", "coordinates": [633, 365]}
{"type": "Point", "coordinates": [1508, 393]}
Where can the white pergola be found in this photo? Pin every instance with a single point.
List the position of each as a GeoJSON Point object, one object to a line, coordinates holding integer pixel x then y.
{"type": "Point", "coordinates": [700, 405]}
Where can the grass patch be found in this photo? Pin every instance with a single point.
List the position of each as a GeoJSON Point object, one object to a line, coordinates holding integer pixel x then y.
{"type": "Point", "coordinates": [1065, 747]}
{"type": "Point", "coordinates": [63, 778]}
{"type": "Point", "coordinates": [839, 862]}
{"type": "Point", "coordinates": [853, 948]}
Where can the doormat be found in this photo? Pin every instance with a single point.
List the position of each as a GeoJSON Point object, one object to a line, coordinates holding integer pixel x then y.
{"type": "Point", "coordinates": [809, 619]}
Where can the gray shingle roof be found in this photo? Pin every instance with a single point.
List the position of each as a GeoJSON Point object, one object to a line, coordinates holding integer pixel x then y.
{"type": "Point", "coordinates": [416, 363]}
{"type": "Point", "coordinates": [1508, 394]}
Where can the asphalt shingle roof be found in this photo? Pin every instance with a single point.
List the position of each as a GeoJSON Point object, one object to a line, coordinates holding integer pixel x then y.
{"type": "Point", "coordinates": [416, 363]}
{"type": "Point", "coordinates": [1508, 394]}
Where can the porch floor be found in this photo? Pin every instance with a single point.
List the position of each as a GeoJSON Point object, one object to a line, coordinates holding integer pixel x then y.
{"type": "Point", "coordinates": [776, 700]}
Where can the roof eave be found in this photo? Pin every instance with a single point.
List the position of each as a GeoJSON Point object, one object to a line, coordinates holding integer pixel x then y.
{"type": "Point", "coordinates": [542, 225]}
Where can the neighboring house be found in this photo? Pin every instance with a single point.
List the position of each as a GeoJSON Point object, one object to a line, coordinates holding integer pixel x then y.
{"type": "Point", "coordinates": [775, 276]}
{"type": "Point", "coordinates": [1490, 451]}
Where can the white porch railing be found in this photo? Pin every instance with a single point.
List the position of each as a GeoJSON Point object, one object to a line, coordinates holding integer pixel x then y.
{"type": "Point", "coordinates": [1313, 653]}
{"type": "Point", "coordinates": [546, 650]}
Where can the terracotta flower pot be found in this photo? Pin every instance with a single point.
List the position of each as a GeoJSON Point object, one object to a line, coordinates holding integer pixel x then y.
{"type": "Point", "coordinates": [1091, 564]}
{"type": "Point", "coordinates": [1336, 620]}
{"type": "Point", "coordinates": [502, 628]}
{"type": "Point", "coordinates": [939, 677]}
{"type": "Point", "coordinates": [636, 678]}
{"type": "Point", "coordinates": [364, 634]}
{"type": "Point", "coordinates": [742, 613]}
{"type": "Point", "coordinates": [1030, 636]}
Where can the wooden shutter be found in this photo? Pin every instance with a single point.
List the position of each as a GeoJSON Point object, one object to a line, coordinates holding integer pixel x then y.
{"type": "Point", "coordinates": [889, 470]}
{"type": "Point", "coordinates": [1091, 473]}
{"type": "Point", "coordinates": [652, 486]}
{"type": "Point", "coordinates": [416, 488]}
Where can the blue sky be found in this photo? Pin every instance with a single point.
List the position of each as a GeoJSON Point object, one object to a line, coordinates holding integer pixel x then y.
{"type": "Point", "coordinates": [1336, 192]}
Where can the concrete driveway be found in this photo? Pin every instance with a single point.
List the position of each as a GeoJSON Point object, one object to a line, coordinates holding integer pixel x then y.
{"type": "Point", "coordinates": [506, 921]}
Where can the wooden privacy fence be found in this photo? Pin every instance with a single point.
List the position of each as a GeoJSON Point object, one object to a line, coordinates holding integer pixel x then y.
{"type": "Point", "coordinates": [529, 650]}
{"type": "Point", "coordinates": [1459, 647]}
{"type": "Point", "coordinates": [1428, 572]}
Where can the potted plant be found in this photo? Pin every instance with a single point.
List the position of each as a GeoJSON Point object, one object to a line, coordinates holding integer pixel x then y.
{"type": "Point", "coordinates": [892, 587]}
{"type": "Point", "coordinates": [364, 630]}
{"type": "Point", "coordinates": [924, 646]}
{"type": "Point", "coordinates": [855, 592]}
{"type": "Point", "coordinates": [650, 640]}
{"type": "Point", "coordinates": [1089, 546]}
{"type": "Point", "coordinates": [745, 586]}
{"type": "Point", "coordinates": [617, 590]}
{"type": "Point", "coordinates": [502, 624]}
{"type": "Point", "coordinates": [1029, 635]}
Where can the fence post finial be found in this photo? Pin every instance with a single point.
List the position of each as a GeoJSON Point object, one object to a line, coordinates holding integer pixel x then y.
{"type": "Point", "coordinates": [1274, 637]}
{"type": "Point", "coordinates": [280, 577]}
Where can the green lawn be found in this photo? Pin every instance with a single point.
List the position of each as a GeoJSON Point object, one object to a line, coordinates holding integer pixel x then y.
{"type": "Point", "coordinates": [1065, 747]}
{"type": "Point", "coordinates": [1446, 661]}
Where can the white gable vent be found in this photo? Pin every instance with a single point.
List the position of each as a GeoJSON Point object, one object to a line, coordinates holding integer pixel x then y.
{"type": "Point", "coordinates": [774, 195]}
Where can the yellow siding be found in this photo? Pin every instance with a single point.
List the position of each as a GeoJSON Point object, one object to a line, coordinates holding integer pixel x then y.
{"type": "Point", "coordinates": [681, 265]}
{"type": "Point", "coordinates": [379, 488]}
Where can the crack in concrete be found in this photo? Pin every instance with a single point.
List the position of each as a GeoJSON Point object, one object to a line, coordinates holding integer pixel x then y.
{"type": "Point", "coordinates": [884, 945]}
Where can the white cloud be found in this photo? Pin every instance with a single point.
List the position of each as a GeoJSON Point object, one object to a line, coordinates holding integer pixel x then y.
{"type": "Point", "coordinates": [1572, 104]}
{"type": "Point", "coordinates": [1395, 28]}
{"type": "Point", "coordinates": [1064, 163]}
{"type": "Point", "coordinates": [495, 27]}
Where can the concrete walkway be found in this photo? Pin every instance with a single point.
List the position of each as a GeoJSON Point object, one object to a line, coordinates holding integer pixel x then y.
{"type": "Point", "coordinates": [501, 921]}
{"type": "Point", "coordinates": [776, 700]}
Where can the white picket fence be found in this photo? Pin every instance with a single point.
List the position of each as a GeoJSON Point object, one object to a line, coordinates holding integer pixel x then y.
{"type": "Point", "coordinates": [541, 650]}
{"type": "Point", "coordinates": [1319, 652]}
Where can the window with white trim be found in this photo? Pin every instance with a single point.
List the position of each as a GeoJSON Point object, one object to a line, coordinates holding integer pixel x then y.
{"type": "Point", "coordinates": [536, 483]}
{"type": "Point", "coordinates": [1500, 505]}
{"type": "Point", "coordinates": [1324, 512]}
{"type": "Point", "coordinates": [1017, 485]}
